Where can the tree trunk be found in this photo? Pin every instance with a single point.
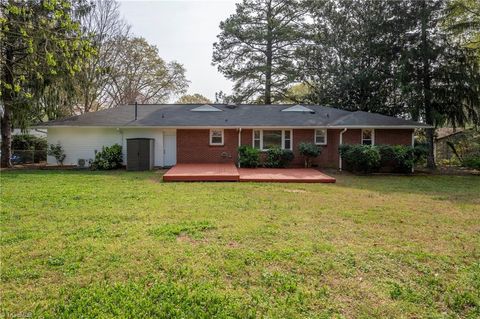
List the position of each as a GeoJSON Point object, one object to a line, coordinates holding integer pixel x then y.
{"type": "Point", "coordinates": [6, 121]}
{"type": "Point", "coordinates": [268, 66]}
{"type": "Point", "coordinates": [427, 93]}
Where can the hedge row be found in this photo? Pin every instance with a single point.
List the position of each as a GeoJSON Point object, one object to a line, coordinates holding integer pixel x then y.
{"type": "Point", "coordinates": [275, 157]}
{"type": "Point", "coordinates": [372, 158]}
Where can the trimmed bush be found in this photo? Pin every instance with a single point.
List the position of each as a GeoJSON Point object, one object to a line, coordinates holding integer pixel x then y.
{"type": "Point", "coordinates": [278, 158]}
{"type": "Point", "coordinates": [110, 157]}
{"type": "Point", "coordinates": [370, 158]}
{"type": "Point", "coordinates": [361, 158]}
{"type": "Point", "coordinates": [249, 157]}
{"type": "Point", "coordinates": [309, 151]}
{"type": "Point", "coordinates": [400, 158]}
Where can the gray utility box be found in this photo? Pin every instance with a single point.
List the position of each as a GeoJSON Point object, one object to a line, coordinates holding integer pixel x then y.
{"type": "Point", "coordinates": [140, 154]}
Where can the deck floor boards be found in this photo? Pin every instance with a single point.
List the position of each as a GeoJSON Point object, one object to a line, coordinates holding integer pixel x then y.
{"type": "Point", "coordinates": [230, 173]}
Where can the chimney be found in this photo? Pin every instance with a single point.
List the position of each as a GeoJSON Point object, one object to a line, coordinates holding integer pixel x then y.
{"type": "Point", "coordinates": [136, 107]}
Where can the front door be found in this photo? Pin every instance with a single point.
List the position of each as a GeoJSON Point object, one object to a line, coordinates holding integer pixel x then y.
{"type": "Point", "coordinates": [169, 150]}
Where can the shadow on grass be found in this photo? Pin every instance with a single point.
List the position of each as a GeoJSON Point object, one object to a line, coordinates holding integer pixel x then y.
{"type": "Point", "coordinates": [80, 172]}
{"type": "Point", "coordinates": [460, 189]}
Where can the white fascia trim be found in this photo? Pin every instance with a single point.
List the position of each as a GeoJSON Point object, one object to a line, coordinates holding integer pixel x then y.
{"type": "Point", "coordinates": [232, 127]}
{"type": "Point", "coordinates": [382, 126]}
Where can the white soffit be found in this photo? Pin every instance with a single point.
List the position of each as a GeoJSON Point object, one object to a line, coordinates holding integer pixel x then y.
{"type": "Point", "coordinates": [206, 108]}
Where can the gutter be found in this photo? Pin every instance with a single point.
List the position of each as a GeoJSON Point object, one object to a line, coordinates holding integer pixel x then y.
{"type": "Point", "coordinates": [236, 126]}
{"type": "Point", "coordinates": [339, 155]}
{"type": "Point", "coordinates": [239, 142]}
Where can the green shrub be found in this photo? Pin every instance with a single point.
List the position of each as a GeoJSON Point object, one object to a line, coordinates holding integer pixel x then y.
{"type": "Point", "coordinates": [30, 147]}
{"type": "Point", "coordinates": [29, 142]}
{"type": "Point", "coordinates": [420, 151]}
{"type": "Point", "coordinates": [56, 150]}
{"type": "Point", "coordinates": [361, 158]}
{"type": "Point", "coordinates": [110, 157]}
{"type": "Point", "coordinates": [278, 158]}
{"type": "Point", "coordinates": [400, 158]}
{"type": "Point", "coordinates": [309, 151]}
{"type": "Point", "coordinates": [471, 161]}
{"type": "Point", "coordinates": [248, 156]}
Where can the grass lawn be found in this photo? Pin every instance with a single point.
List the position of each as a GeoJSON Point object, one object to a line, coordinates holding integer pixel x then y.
{"type": "Point", "coordinates": [123, 244]}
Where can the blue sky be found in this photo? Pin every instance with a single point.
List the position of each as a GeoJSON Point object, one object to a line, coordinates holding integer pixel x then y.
{"type": "Point", "coordinates": [183, 31]}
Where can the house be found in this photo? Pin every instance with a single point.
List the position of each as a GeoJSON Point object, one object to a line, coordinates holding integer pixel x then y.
{"type": "Point", "coordinates": [192, 133]}
{"type": "Point", "coordinates": [449, 141]}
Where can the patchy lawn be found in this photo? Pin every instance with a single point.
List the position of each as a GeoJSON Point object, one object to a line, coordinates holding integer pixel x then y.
{"type": "Point", "coordinates": [123, 244]}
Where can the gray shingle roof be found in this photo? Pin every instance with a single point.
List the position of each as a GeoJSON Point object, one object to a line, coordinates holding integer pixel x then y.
{"type": "Point", "coordinates": [243, 115]}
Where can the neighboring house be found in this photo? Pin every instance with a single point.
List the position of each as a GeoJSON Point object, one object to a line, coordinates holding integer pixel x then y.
{"type": "Point", "coordinates": [444, 135]}
{"type": "Point", "coordinates": [212, 133]}
{"type": "Point", "coordinates": [34, 132]}
{"type": "Point", "coordinates": [465, 142]}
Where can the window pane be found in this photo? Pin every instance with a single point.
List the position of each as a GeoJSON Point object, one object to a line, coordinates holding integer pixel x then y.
{"type": "Point", "coordinates": [216, 140]}
{"type": "Point", "coordinates": [216, 133]}
{"type": "Point", "coordinates": [367, 142]}
{"type": "Point", "coordinates": [320, 136]}
{"type": "Point", "coordinates": [367, 134]}
{"type": "Point", "coordinates": [216, 137]}
{"type": "Point", "coordinates": [256, 139]}
{"type": "Point", "coordinates": [272, 139]}
{"type": "Point", "coordinates": [287, 139]}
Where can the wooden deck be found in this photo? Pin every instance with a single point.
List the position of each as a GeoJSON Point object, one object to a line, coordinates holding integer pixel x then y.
{"type": "Point", "coordinates": [230, 173]}
{"type": "Point", "coordinates": [284, 175]}
{"type": "Point", "coordinates": [202, 173]}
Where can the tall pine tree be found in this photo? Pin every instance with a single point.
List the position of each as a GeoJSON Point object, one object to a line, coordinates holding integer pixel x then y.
{"type": "Point", "coordinates": [40, 41]}
{"type": "Point", "coordinates": [256, 48]}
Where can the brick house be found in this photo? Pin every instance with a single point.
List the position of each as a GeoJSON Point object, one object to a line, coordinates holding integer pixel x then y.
{"type": "Point", "coordinates": [193, 133]}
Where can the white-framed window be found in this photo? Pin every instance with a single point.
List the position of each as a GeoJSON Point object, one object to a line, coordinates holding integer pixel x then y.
{"type": "Point", "coordinates": [321, 136]}
{"type": "Point", "coordinates": [266, 139]}
{"type": "Point", "coordinates": [368, 136]}
{"type": "Point", "coordinates": [216, 137]}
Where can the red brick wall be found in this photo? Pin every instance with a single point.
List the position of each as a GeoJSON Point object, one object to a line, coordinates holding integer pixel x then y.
{"type": "Point", "coordinates": [193, 146]}
{"type": "Point", "coordinates": [382, 136]}
{"type": "Point", "coordinates": [393, 137]}
{"type": "Point", "coordinates": [352, 136]}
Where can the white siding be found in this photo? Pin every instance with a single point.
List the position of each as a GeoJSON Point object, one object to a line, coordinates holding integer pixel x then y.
{"type": "Point", "coordinates": [82, 142]}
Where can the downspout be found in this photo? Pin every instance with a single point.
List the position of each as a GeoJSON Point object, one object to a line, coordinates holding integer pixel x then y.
{"type": "Point", "coordinates": [413, 146]}
{"type": "Point", "coordinates": [339, 144]}
{"type": "Point", "coordinates": [239, 143]}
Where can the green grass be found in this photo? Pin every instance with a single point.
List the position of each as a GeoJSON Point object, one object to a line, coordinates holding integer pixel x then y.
{"type": "Point", "coordinates": [121, 244]}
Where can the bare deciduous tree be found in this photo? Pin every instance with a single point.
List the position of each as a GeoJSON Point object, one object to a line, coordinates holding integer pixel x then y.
{"type": "Point", "coordinates": [141, 75]}
{"type": "Point", "coordinates": [108, 30]}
